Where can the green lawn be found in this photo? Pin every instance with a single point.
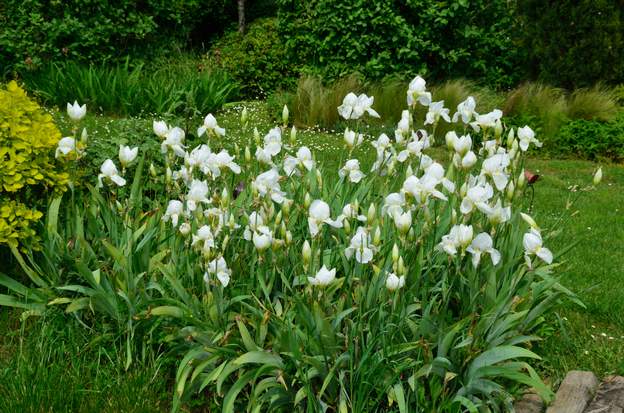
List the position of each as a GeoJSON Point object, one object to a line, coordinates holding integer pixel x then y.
{"type": "Point", "coordinates": [591, 338]}
{"type": "Point", "coordinates": [58, 364]}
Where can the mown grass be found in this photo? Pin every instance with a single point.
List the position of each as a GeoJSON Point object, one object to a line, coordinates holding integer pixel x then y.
{"type": "Point", "coordinates": [591, 338]}
{"type": "Point", "coordinates": [55, 365]}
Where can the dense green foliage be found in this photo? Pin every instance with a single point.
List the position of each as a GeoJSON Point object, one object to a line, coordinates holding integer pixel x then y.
{"type": "Point", "coordinates": [471, 38]}
{"type": "Point", "coordinates": [257, 58]}
{"type": "Point", "coordinates": [467, 38]}
{"type": "Point", "coordinates": [33, 32]}
{"type": "Point", "coordinates": [174, 88]}
{"type": "Point", "coordinates": [592, 139]}
{"type": "Point", "coordinates": [499, 42]}
{"type": "Point", "coordinates": [573, 43]}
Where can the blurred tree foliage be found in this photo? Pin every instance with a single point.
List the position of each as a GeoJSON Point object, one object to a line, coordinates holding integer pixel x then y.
{"type": "Point", "coordinates": [573, 43]}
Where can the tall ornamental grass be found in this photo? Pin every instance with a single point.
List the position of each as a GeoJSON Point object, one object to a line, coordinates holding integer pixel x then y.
{"type": "Point", "coordinates": [279, 285]}
{"type": "Point", "coordinates": [547, 107]}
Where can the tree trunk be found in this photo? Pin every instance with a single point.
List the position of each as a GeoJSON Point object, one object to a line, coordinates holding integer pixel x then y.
{"type": "Point", "coordinates": [241, 16]}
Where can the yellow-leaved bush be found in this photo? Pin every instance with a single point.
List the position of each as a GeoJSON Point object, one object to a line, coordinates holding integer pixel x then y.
{"type": "Point", "coordinates": [28, 138]}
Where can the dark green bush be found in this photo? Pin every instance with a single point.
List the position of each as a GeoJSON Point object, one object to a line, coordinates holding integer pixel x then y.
{"type": "Point", "coordinates": [33, 32]}
{"type": "Point", "coordinates": [591, 139]}
{"type": "Point", "coordinates": [257, 59]}
{"type": "Point", "coordinates": [379, 37]}
{"type": "Point", "coordinates": [573, 43]}
{"type": "Point", "coordinates": [124, 90]}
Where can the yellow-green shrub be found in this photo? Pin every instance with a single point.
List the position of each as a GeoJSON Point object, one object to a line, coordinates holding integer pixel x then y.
{"type": "Point", "coordinates": [16, 222]}
{"type": "Point", "coordinates": [28, 137]}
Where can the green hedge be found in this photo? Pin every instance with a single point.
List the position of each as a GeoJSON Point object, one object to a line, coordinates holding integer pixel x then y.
{"type": "Point", "coordinates": [33, 32]}
{"type": "Point", "coordinates": [470, 38]}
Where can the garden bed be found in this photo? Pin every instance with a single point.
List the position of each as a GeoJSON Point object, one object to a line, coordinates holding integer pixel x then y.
{"type": "Point", "coordinates": [556, 178]}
